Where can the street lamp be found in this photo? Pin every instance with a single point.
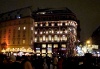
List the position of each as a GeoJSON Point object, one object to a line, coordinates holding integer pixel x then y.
{"type": "Point", "coordinates": [89, 44]}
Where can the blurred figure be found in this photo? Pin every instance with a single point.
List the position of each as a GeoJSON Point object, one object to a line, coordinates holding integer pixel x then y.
{"type": "Point", "coordinates": [26, 64]}
{"type": "Point", "coordinates": [60, 62]}
{"type": "Point", "coordinates": [55, 61]}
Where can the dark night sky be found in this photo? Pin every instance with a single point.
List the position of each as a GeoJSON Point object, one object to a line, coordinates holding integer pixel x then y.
{"type": "Point", "coordinates": [87, 11]}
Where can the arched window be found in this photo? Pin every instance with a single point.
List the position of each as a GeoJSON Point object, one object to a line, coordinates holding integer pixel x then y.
{"type": "Point", "coordinates": [50, 30]}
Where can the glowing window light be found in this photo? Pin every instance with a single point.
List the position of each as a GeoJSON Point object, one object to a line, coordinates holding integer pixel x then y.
{"type": "Point", "coordinates": [35, 32]}
{"type": "Point", "coordinates": [36, 24]}
{"type": "Point", "coordinates": [55, 37]}
{"type": "Point", "coordinates": [60, 24]}
{"type": "Point", "coordinates": [49, 37]}
{"type": "Point", "coordinates": [40, 39]}
{"type": "Point", "coordinates": [43, 45]}
{"type": "Point", "coordinates": [66, 31]}
{"type": "Point", "coordinates": [35, 39]}
{"type": "Point", "coordinates": [61, 32]}
{"type": "Point", "coordinates": [52, 31]}
{"type": "Point", "coordinates": [57, 32]}
{"type": "Point", "coordinates": [31, 28]}
{"type": "Point", "coordinates": [64, 38]}
{"type": "Point", "coordinates": [18, 28]}
{"type": "Point", "coordinates": [41, 32]}
{"type": "Point", "coordinates": [43, 51]}
{"type": "Point", "coordinates": [63, 45]}
{"type": "Point", "coordinates": [41, 25]}
{"type": "Point", "coordinates": [46, 32]}
{"type": "Point", "coordinates": [55, 46]}
{"type": "Point", "coordinates": [47, 24]}
{"type": "Point", "coordinates": [23, 41]}
{"type": "Point", "coordinates": [66, 24]}
{"type": "Point", "coordinates": [44, 37]}
{"type": "Point", "coordinates": [52, 39]}
{"type": "Point", "coordinates": [52, 24]}
{"type": "Point", "coordinates": [24, 28]}
{"type": "Point", "coordinates": [49, 50]}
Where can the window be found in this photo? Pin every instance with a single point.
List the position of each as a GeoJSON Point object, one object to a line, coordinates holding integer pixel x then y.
{"type": "Point", "coordinates": [35, 24]}
{"type": "Point", "coordinates": [49, 50]}
{"type": "Point", "coordinates": [64, 38]}
{"type": "Point", "coordinates": [55, 37]}
{"type": "Point", "coordinates": [24, 28]}
{"type": "Point", "coordinates": [43, 50]}
{"type": "Point", "coordinates": [43, 45]}
{"type": "Point", "coordinates": [31, 28]}
{"type": "Point", "coordinates": [18, 28]}
{"type": "Point", "coordinates": [63, 45]}
{"type": "Point", "coordinates": [46, 23]}
{"type": "Point", "coordinates": [35, 39]}
{"type": "Point", "coordinates": [43, 37]}
{"type": "Point", "coordinates": [24, 41]}
{"type": "Point", "coordinates": [40, 39]}
{"type": "Point", "coordinates": [55, 46]}
{"type": "Point", "coordinates": [49, 37]}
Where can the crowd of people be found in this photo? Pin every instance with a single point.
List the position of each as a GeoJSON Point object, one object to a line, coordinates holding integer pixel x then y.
{"type": "Point", "coordinates": [56, 62]}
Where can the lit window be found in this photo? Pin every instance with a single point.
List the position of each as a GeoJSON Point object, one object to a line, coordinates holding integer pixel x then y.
{"type": "Point", "coordinates": [55, 46]}
{"type": "Point", "coordinates": [40, 39]}
{"type": "Point", "coordinates": [52, 39]}
{"type": "Point", "coordinates": [41, 32]}
{"type": "Point", "coordinates": [37, 50]}
{"type": "Point", "coordinates": [52, 24]}
{"type": "Point", "coordinates": [64, 38]}
{"type": "Point", "coordinates": [36, 24]}
{"type": "Point", "coordinates": [46, 39]}
{"type": "Point", "coordinates": [49, 50]}
{"type": "Point", "coordinates": [41, 24]}
{"type": "Point", "coordinates": [23, 41]}
{"type": "Point", "coordinates": [35, 32]}
{"type": "Point", "coordinates": [18, 28]}
{"type": "Point", "coordinates": [43, 51]}
{"type": "Point", "coordinates": [43, 45]}
{"type": "Point", "coordinates": [46, 32]}
{"type": "Point", "coordinates": [66, 31]}
{"type": "Point", "coordinates": [60, 24]}
{"type": "Point", "coordinates": [66, 24]}
{"type": "Point", "coordinates": [61, 32]}
{"type": "Point", "coordinates": [63, 45]}
{"type": "Point", "coordinates": [43, 37]}
{"type": "Point", "coordinates": [47, 24]}
{"type": "Point", "coordinates": [49, 45]}
{"type": "Point", "coordinates": [52, 31]}
{"type": "Point", "coordinates": [57, 32]}
{"type": "Point", "coordinates": [49, 37]}
{"type": "Point", "coordinates": [55, 37]}
{"type": "Point", "coordinates": [35, 39]}
{"type": "Point", "coordinates": [24, 28]}
{"type": "Point", "coordinates": [31, 28]}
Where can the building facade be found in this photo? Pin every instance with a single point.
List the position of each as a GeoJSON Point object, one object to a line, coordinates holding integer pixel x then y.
{"type": "Point", "coordinates": [55, 32]}
{"type": "Point", "coordinates": [47, 32]}
{"type": "Point", "coordinates": [16, 30]}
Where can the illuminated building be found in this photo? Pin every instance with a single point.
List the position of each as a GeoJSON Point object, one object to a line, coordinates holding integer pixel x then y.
{"type": "Point", "coordinates": [16, 29]}
{"type": "Point", "coordinates": [46, 31]}
{"type": "Point", "coordinates": [55, 32]}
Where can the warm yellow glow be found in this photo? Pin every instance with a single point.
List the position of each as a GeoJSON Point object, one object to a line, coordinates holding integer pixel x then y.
{"type": "Point", "coordinates": [88, 41]}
